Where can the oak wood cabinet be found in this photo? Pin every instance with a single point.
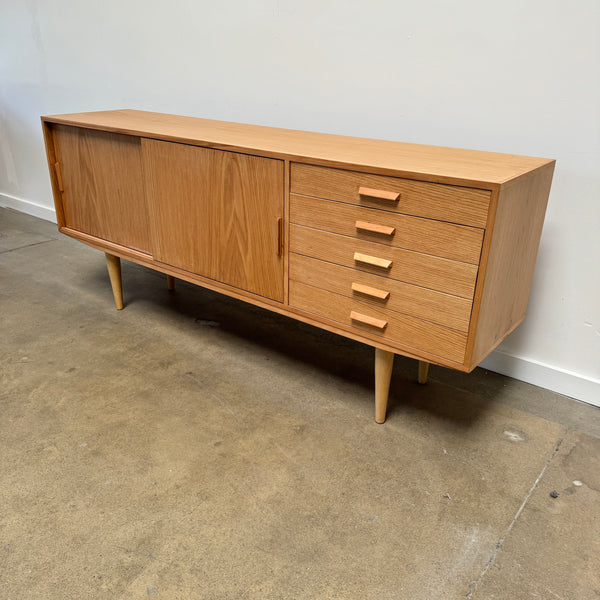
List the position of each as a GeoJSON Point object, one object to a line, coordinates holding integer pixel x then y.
{"type": "Point", "coordinates": [217, 214]}
{"type": "Point", "coordinates": [101, 185]}
{"type": "Point", "coordinates": [417, 250]}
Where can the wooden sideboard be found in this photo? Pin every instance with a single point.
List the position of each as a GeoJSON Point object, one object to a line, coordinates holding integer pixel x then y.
{"type": "Point", "coordinates": [416, 250]}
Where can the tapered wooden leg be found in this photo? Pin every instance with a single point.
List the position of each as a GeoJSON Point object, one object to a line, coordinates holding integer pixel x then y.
{"type": "Point", "coordinates": [170, 283]}
{"type": "Point", "coordinates": [114, 272]}
{"type": "Point", "coordinates": [423, 372]}
{"type": "Point", "coordinates": [384, 361]}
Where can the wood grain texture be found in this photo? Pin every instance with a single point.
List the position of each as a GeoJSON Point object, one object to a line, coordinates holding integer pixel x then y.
{"type": "Point", "coordinates": [286, 220]}
{"type": "Point", "coordinates": [217, 214]}
{"type": "Point", "coordinates": [223, 216]}
{"type": "Point", "coordinates": [360, 288]}
{"type": "Point", "coordinates": [423, 303]}
{"type": "Point", "coordinates": [440, 202]}
{"type": "Point", "coordinates": [103, 189]}
{"type": "Point", "coordinates": [424, 270]}
{"type": "Point", "coordinates": [427, 236]}
{"type": "Point", "coordinates": [378, 194]}
{"type": "Point", "coordinates": [415, 161]}
{"type": "Point", "coordinates": [372, 261]}
{"type": "Point", "coordinates": [57, 186]}
{"type": "Point", "coordinates": [374, 228]}
{"type": "Point", "coordinates": [384, 364]}
{"type": "Point", "coordinates": [113, 264]}
{"type": "Point", "coordinates": [368, 320]}
{"type": "Point", "coordinates": [272, 305]}
{"type": "Point", "coordinates": [61, 187]}
{"type": "Point", "coordinates": [421, 335]}
{"type": "Point", "coordinates": [509, 268]}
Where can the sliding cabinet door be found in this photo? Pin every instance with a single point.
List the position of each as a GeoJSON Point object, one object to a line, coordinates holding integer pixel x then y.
{"type": "Point", "coordinates": [102, 191]}
{"type": "Point", "coordinates": [217, 214]}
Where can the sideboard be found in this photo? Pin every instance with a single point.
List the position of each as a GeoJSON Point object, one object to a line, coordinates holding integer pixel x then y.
{"type": "Point", "coordinates": [417, 250]}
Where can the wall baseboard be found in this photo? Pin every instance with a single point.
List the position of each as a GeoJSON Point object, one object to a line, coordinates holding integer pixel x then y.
{"type": "Point", "coordinates": [546, 376]}
{"type": "Point", "coordinates": [27, 207]}
{"type": "Point", "coordinates": [531, 371]}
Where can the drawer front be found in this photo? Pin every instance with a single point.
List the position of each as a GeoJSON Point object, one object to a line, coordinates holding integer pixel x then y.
{"type": "Point", "coordinates": [381, 323]}
{"type": "Point", "coordinates": [424, 270]}
{"type": "Point", "coordinates": [447, 240]}
{"type": "Point", "coordinates": [454, 204]}
{"type": "Point", "coordinates": [423, 303]}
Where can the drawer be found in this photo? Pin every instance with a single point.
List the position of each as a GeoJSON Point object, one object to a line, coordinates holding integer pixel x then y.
{"type": "Point", "coordinates": [447, 240]}
{"type": "Point", "coordinates": [454, 204]}
{"type": "Point", "coordinates": [424, 270]}
{"type": "Point", "coordinates": [381, 323]}
{"type": "Point", "coordinates": [444, 309]}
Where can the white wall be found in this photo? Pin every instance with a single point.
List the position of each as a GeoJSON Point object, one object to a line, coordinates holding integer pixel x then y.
{"type": "Point", "coordinates": [513, 76]}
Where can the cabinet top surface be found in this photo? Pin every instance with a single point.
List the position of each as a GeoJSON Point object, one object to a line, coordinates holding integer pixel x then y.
{"type": "Point", "coordinates": [431, 163]}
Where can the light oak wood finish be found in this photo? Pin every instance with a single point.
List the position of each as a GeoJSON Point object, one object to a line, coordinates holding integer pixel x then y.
{"type": "Point", "coordinates": [217, 214]}
{"type": "Point", "coordinates": [59, 179]}
{"type": "Point", "coordinates": [379, 194]}
{"type": "Point", "coordinates": [373, 261]}
{"type": "Point", "coordinates": [510, 261]}
{"type": "Point", "coordinates": [440, 202]}
{"type": "Point", "coordinates": [384, 364]}
{"type": "Point", "coordinates": [404, 329]}
{"type": "Point", "coordinates": [455, 231]}
{"type": "Point", "coordinates": [423, 372]}
{"type": "Point", "coordinates": [271, 305]}
{"type": "Point", "coordinates": [113, 264]}
{"type": "Point", "coordinates": [451, 311]}
{"type": "Point", "coordinates": [57, 185]}
{"type": "Point", "coordinates": [485, 170]}
{"type": "Point", "coordinates": [365, 290]}
{"type": "Point", "coordinates": [424, 270]}
{"type": "Point", "coordinates": [368, 320]}
{"type": "Point", "coordinates": [102, 185]}
{"type": "Point", "coordinates": [374, 228]}
{"type": "Point", "coordinates": [285, 225]}
{"type": "Point", "coordinates": [427, 236]}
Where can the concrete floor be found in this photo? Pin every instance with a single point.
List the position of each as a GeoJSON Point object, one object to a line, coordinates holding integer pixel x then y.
{"type": "Point", "coordinates": [192, 446]}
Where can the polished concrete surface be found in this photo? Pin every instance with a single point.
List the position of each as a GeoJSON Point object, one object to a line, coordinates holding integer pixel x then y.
{"type": "Point", "coordinates": [193, 446]}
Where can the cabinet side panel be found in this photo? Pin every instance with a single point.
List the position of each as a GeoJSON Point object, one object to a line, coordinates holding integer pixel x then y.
{"type": "Point", "coordinates": [515, 240]}
{"type": "Point", "coordinates": [52, 168]}
{"type": "Point", "coordinates": [103, 190]}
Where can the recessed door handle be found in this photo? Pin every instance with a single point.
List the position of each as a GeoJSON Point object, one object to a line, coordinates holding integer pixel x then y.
{"type": "Point", "coordinates": [280, 236]}
{"type": "Point", "coordinates": [59, 179]}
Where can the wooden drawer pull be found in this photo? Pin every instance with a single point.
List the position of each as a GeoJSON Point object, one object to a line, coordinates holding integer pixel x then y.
{"type": "Point", "coordinates": [368, 320]}
{"type": "Point", "coordinates": [372, 260]}
{"type": "Point", "coordinates": [369, 291]}
{"type": "Point", "coordinates": [364, 226]}
{"type": "Point", "coordinates": [379, 194]}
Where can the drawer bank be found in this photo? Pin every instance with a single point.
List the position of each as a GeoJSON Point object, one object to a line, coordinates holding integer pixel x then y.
{"type": "Point", "coordinates": [416, 250]}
